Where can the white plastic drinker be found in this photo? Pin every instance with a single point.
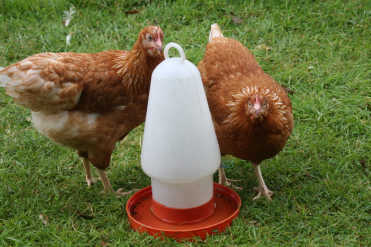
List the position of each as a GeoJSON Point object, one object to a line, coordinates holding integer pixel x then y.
{"type": "Point", "coordinates": [180, 151]}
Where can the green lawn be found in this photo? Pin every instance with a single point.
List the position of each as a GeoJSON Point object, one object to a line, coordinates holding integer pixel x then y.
{"type": "Point", "coordinates": [319, 50]}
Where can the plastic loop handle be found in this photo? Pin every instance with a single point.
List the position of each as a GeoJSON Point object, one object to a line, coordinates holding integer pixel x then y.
{"type": "Point", "coordinates": [176, 46]}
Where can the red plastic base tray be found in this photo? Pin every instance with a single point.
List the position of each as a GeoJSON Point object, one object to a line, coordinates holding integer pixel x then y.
{"type": "Point", "coordinates": [142, 219]}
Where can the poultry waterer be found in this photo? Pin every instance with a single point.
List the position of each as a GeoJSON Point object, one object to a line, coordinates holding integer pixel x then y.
{"type": "Point", "coordinates": [180, 153]}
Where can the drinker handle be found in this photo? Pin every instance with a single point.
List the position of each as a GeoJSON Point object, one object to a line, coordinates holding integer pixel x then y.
{"type": "Point", "coordinates": [176, 46]}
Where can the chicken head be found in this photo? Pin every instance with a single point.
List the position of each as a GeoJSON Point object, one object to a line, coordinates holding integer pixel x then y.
{"type": "Point", "coordinates": [152, 38]}
{"type": "Point", "coordinates": [257, 108]}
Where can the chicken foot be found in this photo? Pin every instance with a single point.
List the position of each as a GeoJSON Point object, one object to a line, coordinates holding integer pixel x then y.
{"type": "Point", "coordinates": [224, 180]}
{"type": "Point", "coordinates": [107, 186]}
{"type": "Point", "coordinates": [262, 190]}
{"type": "Point", "coordinates": [88, 174]}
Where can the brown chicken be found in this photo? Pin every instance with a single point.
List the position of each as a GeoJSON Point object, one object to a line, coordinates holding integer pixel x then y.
{"type": "Point", "coordinates": [252, 113]}
{"type": "Point", "coordinates": [86, 101]}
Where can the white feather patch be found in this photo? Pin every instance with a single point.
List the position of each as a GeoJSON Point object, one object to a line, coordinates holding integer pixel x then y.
{"type": "Point", "coordinates": [215, 32]}
{"type": "Point", "coordinates": [4, 80]}
{"type": "Point", "coordinates": [121, 107]}
{"type": "Point", "coordinates": [63, 127]}
{"type": "Point", "coordinates": [69, 37]}
{"type": "Point", "coordinates": [68, 15]}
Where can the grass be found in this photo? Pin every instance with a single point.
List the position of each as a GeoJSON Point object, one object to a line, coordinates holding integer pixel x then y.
{"type": "Point", "coordinates": [320, 50]}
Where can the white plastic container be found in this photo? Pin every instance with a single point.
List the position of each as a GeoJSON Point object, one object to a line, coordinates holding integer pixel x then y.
{"type": "Point", "coordinates": [180, 151]}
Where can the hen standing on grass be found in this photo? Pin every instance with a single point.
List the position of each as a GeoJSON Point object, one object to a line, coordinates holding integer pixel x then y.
{"type": "Point", "coordinates": [86, 101]}
{"type": "Point", "coordinates": [252, 113]}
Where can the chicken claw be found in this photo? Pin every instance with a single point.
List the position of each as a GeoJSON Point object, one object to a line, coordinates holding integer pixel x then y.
{"type": "Point", "coordinates": [107, 185]}
{"type": "Point", "coordinates": [119, 192]}
{"type": "Point", "coordinates": [227, 182]}
{"type": "Point", "coordinates": [91, 181]}
{"type": "Point", "coordinates": [263, 191]}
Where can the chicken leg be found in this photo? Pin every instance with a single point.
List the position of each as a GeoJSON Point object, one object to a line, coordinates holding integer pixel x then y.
{"type": "Point", "coordinates": [90, 180]}
{"type": "Point", "coordinates": [262, 189]}
{"type": "Point", "coordinates": [224, 180]}
{"type": "Point", "coordinates": [102, 174]}
{"type": "Point", "coordinates": [88, 174]}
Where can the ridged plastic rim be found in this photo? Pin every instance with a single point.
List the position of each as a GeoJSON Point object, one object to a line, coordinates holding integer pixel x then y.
{"type": "Point", "coordinates": [176, 46]}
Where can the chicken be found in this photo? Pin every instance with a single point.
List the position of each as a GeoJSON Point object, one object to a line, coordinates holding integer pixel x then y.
{"type": "Point", "coordinates": [87, 101]}
{"type": "Point", "coordinates": [252, 113]}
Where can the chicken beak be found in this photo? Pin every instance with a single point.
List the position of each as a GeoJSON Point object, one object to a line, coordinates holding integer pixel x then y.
{"type": "Point", "coordinates": [159, 46]}
{"type": "Point", "coordinates": [257, 107]}
{"type": "Point", "coordinates": [257, 110]}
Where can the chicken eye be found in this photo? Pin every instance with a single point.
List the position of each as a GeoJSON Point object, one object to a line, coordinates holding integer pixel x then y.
{"type": "Point", "coordinates": [149, 37]}
{"type": "Point", "coordinates": [264, 104]}
{"type": "Point", "coordinates": [249, 104]}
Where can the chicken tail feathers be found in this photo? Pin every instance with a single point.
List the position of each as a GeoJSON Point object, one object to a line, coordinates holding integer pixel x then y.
{"type": "Point", "coordinates": [4, 80]}
{"type": "Point", "coordinates": [215, 32]}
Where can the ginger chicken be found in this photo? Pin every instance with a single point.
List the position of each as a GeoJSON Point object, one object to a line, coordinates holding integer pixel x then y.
{"type": "Point", "coordinates": [87, 101]}
{"type": "Point", "coordinates": [252, 113]}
